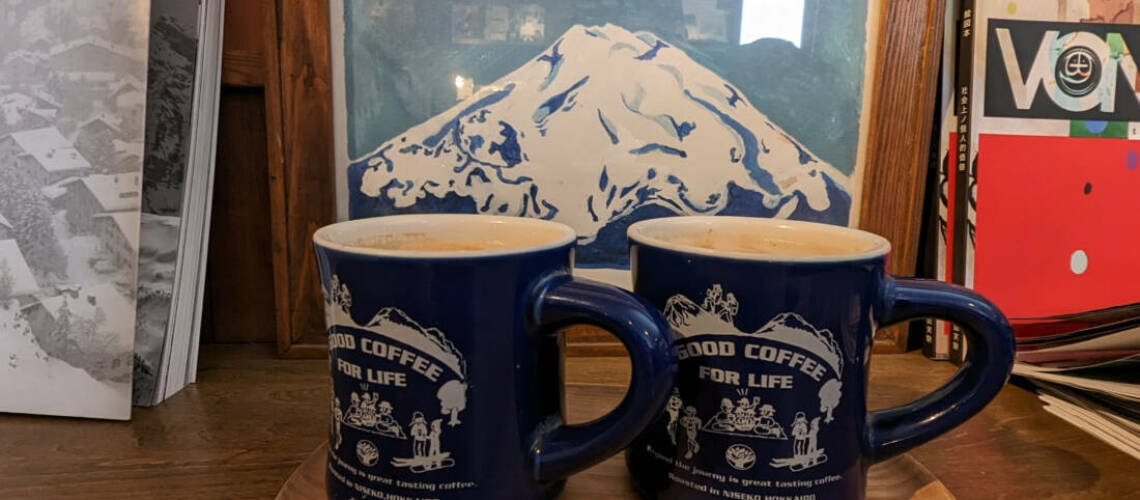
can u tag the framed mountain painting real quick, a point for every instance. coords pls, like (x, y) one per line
(600, 113)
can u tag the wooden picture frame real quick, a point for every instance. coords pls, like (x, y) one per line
(302, 187)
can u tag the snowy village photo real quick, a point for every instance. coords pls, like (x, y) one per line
(72, 109)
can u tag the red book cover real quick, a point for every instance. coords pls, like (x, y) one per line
(1078, 248)
(1053, 226)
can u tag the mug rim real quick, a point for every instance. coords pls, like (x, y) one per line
(323, 236)
(878, 245)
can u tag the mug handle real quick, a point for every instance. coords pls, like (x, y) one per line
(559, 449)
(984, 372)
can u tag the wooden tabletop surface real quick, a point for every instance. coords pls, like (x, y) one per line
(252, 419)
(900, 478)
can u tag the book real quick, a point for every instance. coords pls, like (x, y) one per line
(1095, 390)
(922, 333)
(1059, 361)
(182, 95)
(72, 107)
(937, 339)
(1117, 335)
(961, 212)
(1048, 328)
(1112, 420)
(1110, 344)
(1043, 194)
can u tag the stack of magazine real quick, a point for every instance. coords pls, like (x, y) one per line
(1035, 199)
(107, 125)
(1085, 367)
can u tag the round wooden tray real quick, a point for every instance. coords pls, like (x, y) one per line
(900, 478)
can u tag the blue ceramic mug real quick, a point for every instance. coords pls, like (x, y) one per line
(445, 363)
(773, 323)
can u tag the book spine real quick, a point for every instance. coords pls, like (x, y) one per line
(932, 228)
(936, 337)
(962, 156)
(942, 337)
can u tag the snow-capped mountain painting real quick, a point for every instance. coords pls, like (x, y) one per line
(597, 116)
(714, 316)
(568, 138)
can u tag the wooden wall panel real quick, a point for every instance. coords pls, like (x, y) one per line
(239, 270)
(275, 143)
(910, 50)
(243, 54)
(306, 118)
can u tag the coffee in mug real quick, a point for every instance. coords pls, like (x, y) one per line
(768, 243)
(465, 239)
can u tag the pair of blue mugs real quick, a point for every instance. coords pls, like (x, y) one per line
(749, 342)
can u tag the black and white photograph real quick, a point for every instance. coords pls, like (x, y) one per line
(170, 93)
(72, 88)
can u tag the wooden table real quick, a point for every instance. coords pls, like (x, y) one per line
(900, 478)
(252, 419)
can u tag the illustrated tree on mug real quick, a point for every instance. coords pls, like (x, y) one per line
(829, 397)
(452, 400)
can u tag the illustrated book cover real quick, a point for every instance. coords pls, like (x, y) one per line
(1041, 205)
